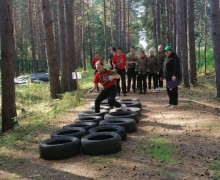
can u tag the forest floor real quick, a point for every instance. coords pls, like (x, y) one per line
(190, 134)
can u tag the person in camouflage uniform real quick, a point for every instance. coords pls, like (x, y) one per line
(154, 70)
(141, 68)
(131, 74)
(161, 57)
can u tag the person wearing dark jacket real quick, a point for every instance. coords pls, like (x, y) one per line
(161, 58)
(171, 72)
(131, 74)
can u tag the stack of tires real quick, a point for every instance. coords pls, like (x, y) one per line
(93, 133)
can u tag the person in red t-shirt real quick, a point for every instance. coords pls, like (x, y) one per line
(94, 60)
(119, 61)
(107, 79)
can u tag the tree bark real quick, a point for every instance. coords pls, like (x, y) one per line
(7, 66)
(191, 41)
(105, 28)
(215, 25)
(55, 89)
(182, 35)
(70, 44)
(63, 52)
(56, 32)
(33, 50)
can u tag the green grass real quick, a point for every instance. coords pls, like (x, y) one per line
(213, 127)
(215, 166)
(38, 114)
(160, 148)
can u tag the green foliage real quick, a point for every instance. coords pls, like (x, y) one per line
(159, 148)
(210, 68)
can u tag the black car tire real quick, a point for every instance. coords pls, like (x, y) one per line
(59, 148)
(123, 114)
(78, 132)
(101, 143)
(110, 128)
(128, 123)
(86, 125)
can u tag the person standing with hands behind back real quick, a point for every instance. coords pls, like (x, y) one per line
(161, 57)
(131, 74)
(141, 67)
(107, 79)
(171, 72)
(119, 61)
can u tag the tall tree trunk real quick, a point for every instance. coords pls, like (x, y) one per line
(154, 25)
(70, 44)
(82, 40)
(56, 31)
(128, 42)
(191, 41)
(33, 51)
(124, 20)
(117, 22)
(42, 46)
(181, 11)
(215, 25)
(157, 13)
(111, 22)
(199, 51)
(14, 18)
(63, 55)
(174, 24)
(205, 37)
(105, 34)
(55, 89)
(38, 35)
(89, 32)
(7, 65)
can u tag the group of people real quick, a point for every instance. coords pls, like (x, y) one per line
(140, 69)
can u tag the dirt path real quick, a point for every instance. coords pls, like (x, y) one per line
(192, 130)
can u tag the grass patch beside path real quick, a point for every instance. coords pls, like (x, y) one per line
(37, 115)
(160, 148)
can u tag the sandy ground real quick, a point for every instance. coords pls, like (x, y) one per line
(192, 130)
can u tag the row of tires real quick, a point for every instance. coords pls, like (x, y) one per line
(93, 133)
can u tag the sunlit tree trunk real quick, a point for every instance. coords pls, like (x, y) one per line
(154, 25)
(191, 41)
(205, 36)
(70, 44)
(82, 40)
(181, 12)
(56, 31)
(111, 22)
(33, 51)
(105, 34)
(215, 25)
(7, 66)
(62, 39)
(55, 89)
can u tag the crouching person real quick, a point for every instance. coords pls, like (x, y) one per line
(107, 79)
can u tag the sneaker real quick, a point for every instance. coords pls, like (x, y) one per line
(168, 105)
(123, 107)
(173, 107)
